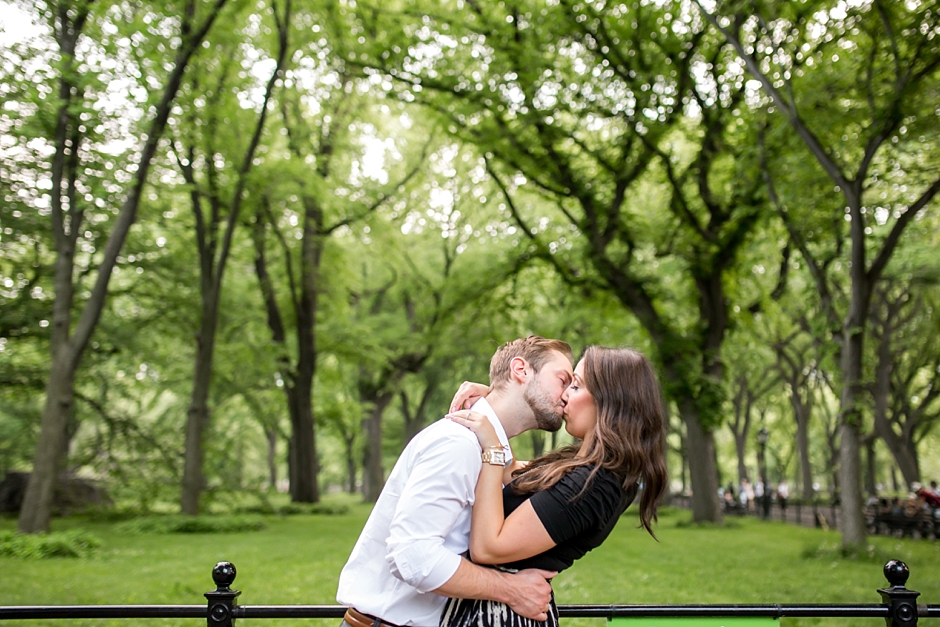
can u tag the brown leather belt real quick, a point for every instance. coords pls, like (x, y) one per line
(355, 618)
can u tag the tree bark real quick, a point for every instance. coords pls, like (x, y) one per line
(271, 436)
(415, 420)
(349, 447)
(741, 427)
(702, 469)
(871, 486)
(304, 485)
(297, 378)
(903, 451)
(802, 445)
(854, 531)
(197, 415)
(373, 472)
(37, 502)
(538, 443)
(887, 320)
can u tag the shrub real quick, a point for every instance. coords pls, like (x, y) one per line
(868, 553)
(191, 524)
(43, 546)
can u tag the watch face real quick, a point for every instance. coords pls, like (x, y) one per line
(494, 457)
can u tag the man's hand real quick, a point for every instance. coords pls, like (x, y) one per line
(528, 592)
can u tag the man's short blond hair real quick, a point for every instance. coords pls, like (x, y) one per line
(536, 350)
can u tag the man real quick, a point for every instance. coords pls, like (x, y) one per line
(408, 558)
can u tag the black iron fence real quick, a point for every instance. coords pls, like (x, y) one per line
(899, 607)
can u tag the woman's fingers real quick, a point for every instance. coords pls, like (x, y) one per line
(467, 394)
(478, 423)
(465, 417)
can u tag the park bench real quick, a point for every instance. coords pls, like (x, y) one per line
(899, 608)
(916, 522)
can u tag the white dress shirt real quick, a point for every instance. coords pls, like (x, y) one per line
(419, 526)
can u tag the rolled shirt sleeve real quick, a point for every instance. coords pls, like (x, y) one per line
(435, 495)
(419, 527)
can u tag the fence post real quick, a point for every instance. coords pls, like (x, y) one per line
(222, 599)
(902, 602)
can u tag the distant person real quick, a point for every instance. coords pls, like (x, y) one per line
(409, 557)
(783, 494)
(927, 497)
(729, 500)
(746, 495)
(934, 488)
(564, 504)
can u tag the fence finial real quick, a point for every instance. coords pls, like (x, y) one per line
(897, 573)
(901, 601)
(222, 599)
(224, 576)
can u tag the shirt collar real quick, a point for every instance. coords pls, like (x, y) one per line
(485, 408)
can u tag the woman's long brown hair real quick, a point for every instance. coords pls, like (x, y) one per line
(629, 435)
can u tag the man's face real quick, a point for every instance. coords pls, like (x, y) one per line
(544, 392)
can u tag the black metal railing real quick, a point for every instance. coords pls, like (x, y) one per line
(899, 607)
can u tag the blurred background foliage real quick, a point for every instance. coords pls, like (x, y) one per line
(249, 247)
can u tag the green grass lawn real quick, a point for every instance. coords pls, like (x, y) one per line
(297, 559)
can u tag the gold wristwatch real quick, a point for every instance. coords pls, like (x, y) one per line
(494, 455)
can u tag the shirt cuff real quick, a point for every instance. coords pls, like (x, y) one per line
(440, 573)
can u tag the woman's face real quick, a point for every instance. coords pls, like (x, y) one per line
(580, 410)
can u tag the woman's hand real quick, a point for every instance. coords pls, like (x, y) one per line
(467, 394)
(479, 424)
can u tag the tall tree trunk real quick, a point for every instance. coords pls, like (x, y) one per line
(37, 503)
(801, 413)
(415, 419)
(870, 480)
(68, 346)
(854, 531)
(304, 485)
(538, 443)
(303, 423)
(903, 451)
(212, 273)
(740, 449)
(901, 446)
(197, 415)
(350, 448)
(270, 435)
(702, 468)
(741, 425)
(373, 473)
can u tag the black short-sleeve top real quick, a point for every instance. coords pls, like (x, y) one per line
(577, 521)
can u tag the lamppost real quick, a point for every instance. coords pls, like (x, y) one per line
(762, 436)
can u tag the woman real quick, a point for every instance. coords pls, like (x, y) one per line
(562, 505)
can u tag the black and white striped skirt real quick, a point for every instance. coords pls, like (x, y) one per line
(472, 613)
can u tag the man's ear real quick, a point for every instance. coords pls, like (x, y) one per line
(519, 370)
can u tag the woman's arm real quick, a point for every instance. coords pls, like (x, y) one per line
(495, 539)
